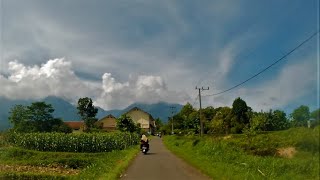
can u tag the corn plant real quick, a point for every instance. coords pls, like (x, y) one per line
(60, 142)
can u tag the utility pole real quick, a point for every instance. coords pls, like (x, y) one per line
(201, 122)
(172, 111)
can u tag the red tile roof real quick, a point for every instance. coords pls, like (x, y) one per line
(74, 124)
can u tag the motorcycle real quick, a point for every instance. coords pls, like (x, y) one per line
(144, 147)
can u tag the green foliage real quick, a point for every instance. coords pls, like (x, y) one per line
(95, 142)
(300, 116)
(186, 110)
(233, 157)
(166, 129)
(240, 109)
(221, 123)
(107, 165)
(126, 124)
(278, 121)
(36, 118)
(209, 112)
(19, 119)
(187, 118)
(88, 112)
(238, 119)
(158, 123)
(271, 121)
(61, 127)
(241, 114)
(29, 176)
(315, 118)
(315, 115)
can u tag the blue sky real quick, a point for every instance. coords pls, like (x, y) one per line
(119, 52)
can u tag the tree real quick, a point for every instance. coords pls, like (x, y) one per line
(221, 123)
(258, 122)
(300, 116)
(240, 112)
(186, 119)
(19, 118)
(126, 124)
(315, 117)
(87, 111)
(269, 121)
(41, 114)
(209, 113)
(239, 109)
(158, 123)
(35, 118)
(186, 110)
(279, 121)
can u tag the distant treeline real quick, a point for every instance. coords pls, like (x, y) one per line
(238, 119)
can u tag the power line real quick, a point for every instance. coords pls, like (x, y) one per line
(195, 100)
(245, 55)
(283, 57)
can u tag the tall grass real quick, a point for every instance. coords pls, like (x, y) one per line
(238, 157)
(107, 165)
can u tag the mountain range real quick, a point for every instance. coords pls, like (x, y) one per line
(68, 112)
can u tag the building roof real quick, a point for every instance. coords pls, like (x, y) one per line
(74, 124)
(138, 109)
(108, 116)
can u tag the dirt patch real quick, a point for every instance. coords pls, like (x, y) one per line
(287, 152)
(38, 169)
(227, 137)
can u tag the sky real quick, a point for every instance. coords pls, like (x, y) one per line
(119, 52)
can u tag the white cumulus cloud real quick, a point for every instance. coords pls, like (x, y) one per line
(57, 78)
(146, 89)
(54, 78)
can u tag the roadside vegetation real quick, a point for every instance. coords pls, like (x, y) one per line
(18, 163)
(239, 143)
(40, 146)
(75, 156)
(289, 154)
(238, 119)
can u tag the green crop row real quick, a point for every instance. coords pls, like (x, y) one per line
(60, 142)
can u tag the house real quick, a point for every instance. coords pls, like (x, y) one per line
(145, 119)
(107, 123)
(75, 125)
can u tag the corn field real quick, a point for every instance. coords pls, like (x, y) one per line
(60, 142)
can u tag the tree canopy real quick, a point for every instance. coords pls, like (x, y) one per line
(126, 124)
(239, 118)
(88, 112)
(36, 118)
(300, 116)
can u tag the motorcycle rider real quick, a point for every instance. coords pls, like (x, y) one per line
(144, 140)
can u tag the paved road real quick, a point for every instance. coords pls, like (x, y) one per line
(160, 163)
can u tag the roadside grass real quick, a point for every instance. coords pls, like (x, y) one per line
(240, 157)
(3, 143)
(18, 163)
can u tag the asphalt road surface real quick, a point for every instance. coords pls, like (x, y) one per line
(160, 163)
